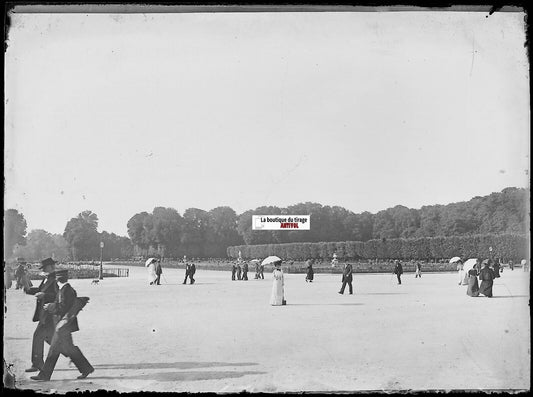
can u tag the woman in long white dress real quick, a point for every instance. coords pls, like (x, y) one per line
(460, 271)
(278, 294)
(152, 276)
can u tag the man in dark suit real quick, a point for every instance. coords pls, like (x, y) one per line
(347, 278)
(191, 273)
(398, 270)
(245, 271)
(65, 318)
(238, 271)
(233, 271)
(261, 271)
(158, 272)
(45, 293)
(187, 273)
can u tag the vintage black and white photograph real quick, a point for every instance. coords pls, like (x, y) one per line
(266, 199)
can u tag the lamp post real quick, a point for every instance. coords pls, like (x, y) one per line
(101, 277)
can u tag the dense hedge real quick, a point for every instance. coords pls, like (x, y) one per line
(505, 246)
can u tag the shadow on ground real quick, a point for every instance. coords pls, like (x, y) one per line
(175, 365)
(384, 293)
(174, 376)
(325, 304)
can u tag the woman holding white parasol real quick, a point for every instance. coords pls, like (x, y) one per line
(150, 264)
(278, 292)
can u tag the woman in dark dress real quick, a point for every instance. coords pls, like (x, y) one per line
(473, 286)
(486, 275)
(496, 267)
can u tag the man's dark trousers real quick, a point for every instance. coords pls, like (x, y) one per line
(62, 344)
(399, 278)
(43, 333)
(348, 281)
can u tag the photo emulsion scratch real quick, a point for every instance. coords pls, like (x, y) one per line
(290, 199)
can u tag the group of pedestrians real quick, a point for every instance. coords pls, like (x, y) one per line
(56, 311)
(239, 272)
(155, 271)
(486, 275)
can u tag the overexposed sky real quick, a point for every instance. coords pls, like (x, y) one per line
(121, 113)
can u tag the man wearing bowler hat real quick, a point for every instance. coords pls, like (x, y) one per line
(64, 309)
(45, 293)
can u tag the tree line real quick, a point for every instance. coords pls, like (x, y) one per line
(200, 233)
(79, 241)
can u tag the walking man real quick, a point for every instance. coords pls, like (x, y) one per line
(245, 271)
(45, 293)
(158, 271)
(192, 270)
(261, 270)
(187, 273)
(398, 270)
(233, 271)
(347, 278)
(64, 309)
(238, 271)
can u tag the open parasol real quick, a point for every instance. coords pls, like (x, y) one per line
(270, 259)
(149, 261)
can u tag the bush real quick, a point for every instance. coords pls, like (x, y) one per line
(505, 246)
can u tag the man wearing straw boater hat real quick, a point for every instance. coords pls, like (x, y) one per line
(65, 309)
(45, 293)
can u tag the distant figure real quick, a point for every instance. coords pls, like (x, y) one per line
(398, 270)
(152, 276)
(158, 272)
(278, 293)
(525, 265)
(486, 275)
(310, 272)
(65, 309)
(245, 271)
(261, 271)
(334, 261)
(239, 270)
(256, 270)
(187, 273)
(233, 271)
(347, 278)
(473, 286)
(8, 280)
(191, 273)
(496, 267)
(511, 265)
(418, 270)
(460, 271)
(19, 275)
